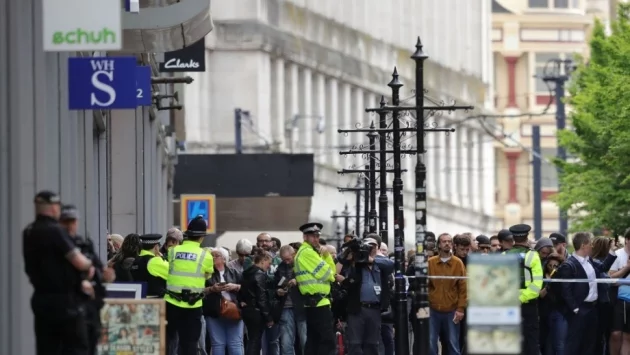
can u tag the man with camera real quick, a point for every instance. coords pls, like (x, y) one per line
(366, 281)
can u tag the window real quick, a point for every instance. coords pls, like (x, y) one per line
(541, 63)
(548, 171)
(554, 4)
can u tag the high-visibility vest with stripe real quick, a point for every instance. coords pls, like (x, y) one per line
(533, 273)
(189, 266)
(314, 273)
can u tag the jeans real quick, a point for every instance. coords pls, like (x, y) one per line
(288, 326)
(557, 336)
(387, 338)
(225, 334)
(442, 323)
(271, 340)
(202, 338)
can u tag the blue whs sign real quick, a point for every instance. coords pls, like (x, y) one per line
(143, 86)
(102, 83)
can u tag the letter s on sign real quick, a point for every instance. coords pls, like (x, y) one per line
(107, 89)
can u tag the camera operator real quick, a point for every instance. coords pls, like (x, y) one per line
(366, 281)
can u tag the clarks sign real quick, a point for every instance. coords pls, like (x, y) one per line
(191, 58)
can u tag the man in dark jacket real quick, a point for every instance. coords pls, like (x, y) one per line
(290, 306)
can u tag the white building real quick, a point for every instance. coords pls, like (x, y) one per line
(303, 59)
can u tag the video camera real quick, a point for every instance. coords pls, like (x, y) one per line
(360, 251)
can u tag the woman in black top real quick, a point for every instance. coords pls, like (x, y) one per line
(123, 259)
(254, 300)
(553, 324)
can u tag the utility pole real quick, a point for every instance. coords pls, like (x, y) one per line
(382, 198)
(345, 215)
(238, 130)
(561, 73)
(357, 227)
(537, 182)
(373, 216)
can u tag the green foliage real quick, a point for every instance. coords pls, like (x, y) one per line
(596, 188)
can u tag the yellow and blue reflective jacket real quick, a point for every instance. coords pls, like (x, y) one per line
(532, 271)
(314, 273)
(189, 267)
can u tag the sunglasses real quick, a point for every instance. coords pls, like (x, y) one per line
(484, 248)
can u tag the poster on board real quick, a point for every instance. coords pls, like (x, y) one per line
(132, 327)
(494, 323)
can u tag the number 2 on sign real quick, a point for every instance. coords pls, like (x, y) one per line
(139, 93)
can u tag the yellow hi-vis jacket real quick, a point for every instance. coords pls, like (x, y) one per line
(189, 267)
(314, 273)
(533, 273)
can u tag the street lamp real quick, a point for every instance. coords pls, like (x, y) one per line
(292, 126)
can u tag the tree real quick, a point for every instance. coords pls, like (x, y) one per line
(595, 187)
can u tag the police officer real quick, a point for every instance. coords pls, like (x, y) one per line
(533, 277)
(58, 271)
(314, 274)
(150, 267)
(190, 266)
(69, 220)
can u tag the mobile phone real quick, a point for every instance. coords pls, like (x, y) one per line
(222, 283)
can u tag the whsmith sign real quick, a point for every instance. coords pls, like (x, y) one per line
(191, 58)
(82, 25)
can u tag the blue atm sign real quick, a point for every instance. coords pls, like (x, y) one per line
(195, 205)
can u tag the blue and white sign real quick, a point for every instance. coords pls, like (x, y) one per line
(132, 6)
(143, 86)
(199, 205)
(102, 83)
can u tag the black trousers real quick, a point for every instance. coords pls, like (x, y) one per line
(530, 344)
(185, 324)
(255, 324)
(61, 336)
(604, 326)
(320, 334)
(583, 330)
(93, 326)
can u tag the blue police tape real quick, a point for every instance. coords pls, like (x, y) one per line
(601, 281)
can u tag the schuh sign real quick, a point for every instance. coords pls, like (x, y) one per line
(102, 83)
(191, 59)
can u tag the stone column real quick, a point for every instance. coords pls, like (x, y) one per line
(332, 122)
(306, 113)
(293, 110)
(511, 74)
(512, 160)
(278, 105)
(320, 111)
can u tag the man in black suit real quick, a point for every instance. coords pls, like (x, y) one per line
(580, 298)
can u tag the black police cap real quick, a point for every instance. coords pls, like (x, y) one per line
(197, 227)
(48, 197)
(505, 235)
(557, 238)
(520, 230)
(69, 213)
(150, 239)
(311, 228)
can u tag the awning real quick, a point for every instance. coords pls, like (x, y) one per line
(166, 25)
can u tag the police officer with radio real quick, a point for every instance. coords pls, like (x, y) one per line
(531, 285)
(314, 274)
(150, 267)
(57, 271)
(69, 220)
(190, 266)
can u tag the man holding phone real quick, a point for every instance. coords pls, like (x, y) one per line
(620, 332)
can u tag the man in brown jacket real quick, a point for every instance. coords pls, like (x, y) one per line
(447, 297)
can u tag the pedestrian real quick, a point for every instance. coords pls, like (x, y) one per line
(603, 257)
(495, 245)
(506, 240)
(581, 297)
(483, 244)
(190, 266)
(533, 276)
(447, 298)
(620, 297)
(173, 237)
(123, 259)
(150, 267)
(60, 275)
(314, 274)
(292, 319)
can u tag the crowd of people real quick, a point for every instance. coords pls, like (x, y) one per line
(310, 298)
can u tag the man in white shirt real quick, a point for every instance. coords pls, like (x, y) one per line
(620, 327)
(580, 297)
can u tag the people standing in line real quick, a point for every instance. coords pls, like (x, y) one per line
(124, 258)
(173, 237)
(495, 245)
(367, 284)
(221, 309)
(505, 239)
(560, 244)
(254, 300)
(243, 251)
(292, 320)
(553, 325)
(61, 278)
(387, 319)
(603, 257)
(190, 266)
(483, 244)
(580, 298)
(114, 242)
(447, 297)
(620, 296)
(462, 246)
(69, 220)
(314, 275)
(533, 276)
(544, 248)
(150, 267)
